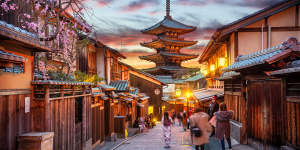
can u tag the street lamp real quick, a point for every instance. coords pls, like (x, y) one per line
(188, 94)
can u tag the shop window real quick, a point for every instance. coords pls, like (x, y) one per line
(11, 63)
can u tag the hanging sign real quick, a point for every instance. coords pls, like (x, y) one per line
(27, 104)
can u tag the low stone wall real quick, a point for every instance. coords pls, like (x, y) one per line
(235, 130)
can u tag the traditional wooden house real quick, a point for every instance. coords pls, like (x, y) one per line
(265, 95)
(17, 48)
(263, 29)
(148, 84)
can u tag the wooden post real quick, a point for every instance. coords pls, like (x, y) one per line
(47, 109)
(84, 119)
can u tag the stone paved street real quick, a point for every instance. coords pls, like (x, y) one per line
(152, 140)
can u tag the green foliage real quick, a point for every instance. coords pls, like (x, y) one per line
(60, 76)
(83, 77)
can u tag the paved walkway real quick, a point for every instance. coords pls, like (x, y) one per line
(152, 140)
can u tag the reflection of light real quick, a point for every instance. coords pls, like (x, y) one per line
(204, 72)
(178, 92)
(150, 110)
(154, 119)
(222, 61)
(188, 94)
(212, 67)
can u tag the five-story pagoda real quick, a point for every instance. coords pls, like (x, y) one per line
(168, 44)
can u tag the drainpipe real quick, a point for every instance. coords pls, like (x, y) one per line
(269, 36)
(262, 36)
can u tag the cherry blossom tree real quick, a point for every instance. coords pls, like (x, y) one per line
(57, 24)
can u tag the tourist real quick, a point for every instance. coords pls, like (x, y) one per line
(142, 124)
(173, 117)
(179, 118)
(213, 107)
(223, 125)
(200, 129)
(167, 122)
(184, 121)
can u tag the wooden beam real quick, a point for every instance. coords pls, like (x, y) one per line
(236, 44)
(273, 29)
(297, 16)
(47, 109)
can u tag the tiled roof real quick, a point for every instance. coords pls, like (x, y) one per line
(107, 87)
(228, 75)
(165, 79)
(195, 78)
(170, 23)
(293, 67)
(253, 59)
(120, 85)
(55, 82)
(205, 94)
(16, 33)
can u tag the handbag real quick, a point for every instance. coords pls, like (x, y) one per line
(196, 131)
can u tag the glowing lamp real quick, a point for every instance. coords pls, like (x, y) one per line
(178, 92)
(188, 94)
(150, 110)
(222, 61)
(212, 67)
(205, 72)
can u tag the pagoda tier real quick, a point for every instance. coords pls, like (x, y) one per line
(166, 70)
(162, 57)
(169, 25)
(168, 44)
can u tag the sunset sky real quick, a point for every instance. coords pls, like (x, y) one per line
(118, 22)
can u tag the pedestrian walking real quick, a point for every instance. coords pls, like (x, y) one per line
(179, 118)
(166, 128)
(223, 125)
(173, 117)
(184, 121)
(200, 129)
(213, 107)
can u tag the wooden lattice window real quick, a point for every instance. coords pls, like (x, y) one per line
(293, 89)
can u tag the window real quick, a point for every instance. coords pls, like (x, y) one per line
(293, 89)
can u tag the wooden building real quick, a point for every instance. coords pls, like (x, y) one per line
(148, 84)
(263, 29)
(17, 48)
(265, 95)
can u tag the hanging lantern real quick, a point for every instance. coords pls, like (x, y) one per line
(212, 67)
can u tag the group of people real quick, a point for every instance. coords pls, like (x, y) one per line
(202, 125)
(144, 122)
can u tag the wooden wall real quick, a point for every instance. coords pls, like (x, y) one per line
(98, 124)
(148, 87)
(13, 119)
(292, 128)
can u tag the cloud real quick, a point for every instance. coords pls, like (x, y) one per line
(139, 4)
(101, 3)
(243, 3)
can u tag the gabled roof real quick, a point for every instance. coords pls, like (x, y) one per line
(120, 85)
(228, 75)
(225, 30)
(31, 40)
(168, 23)
(141, 72)
(290, 47)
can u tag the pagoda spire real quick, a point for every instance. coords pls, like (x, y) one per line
(167, 8)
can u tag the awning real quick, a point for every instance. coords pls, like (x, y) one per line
(106, 87)
(144, 98)
(205, 94)
(140, 104)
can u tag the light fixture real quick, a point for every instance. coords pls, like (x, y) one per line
(212, 67)
(222, 61)
(178, 92)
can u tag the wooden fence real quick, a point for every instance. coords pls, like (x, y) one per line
(64, 110)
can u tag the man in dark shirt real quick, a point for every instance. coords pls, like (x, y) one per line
(213, 107)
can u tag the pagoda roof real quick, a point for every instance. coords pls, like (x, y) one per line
(161, 42)
(166, 68)
(179, 55)
(168, 24)
(158, 57)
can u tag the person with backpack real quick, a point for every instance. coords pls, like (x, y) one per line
(166, 128)
(223, 117)
(200, 129)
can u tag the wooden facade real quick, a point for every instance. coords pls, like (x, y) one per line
(265, 104)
